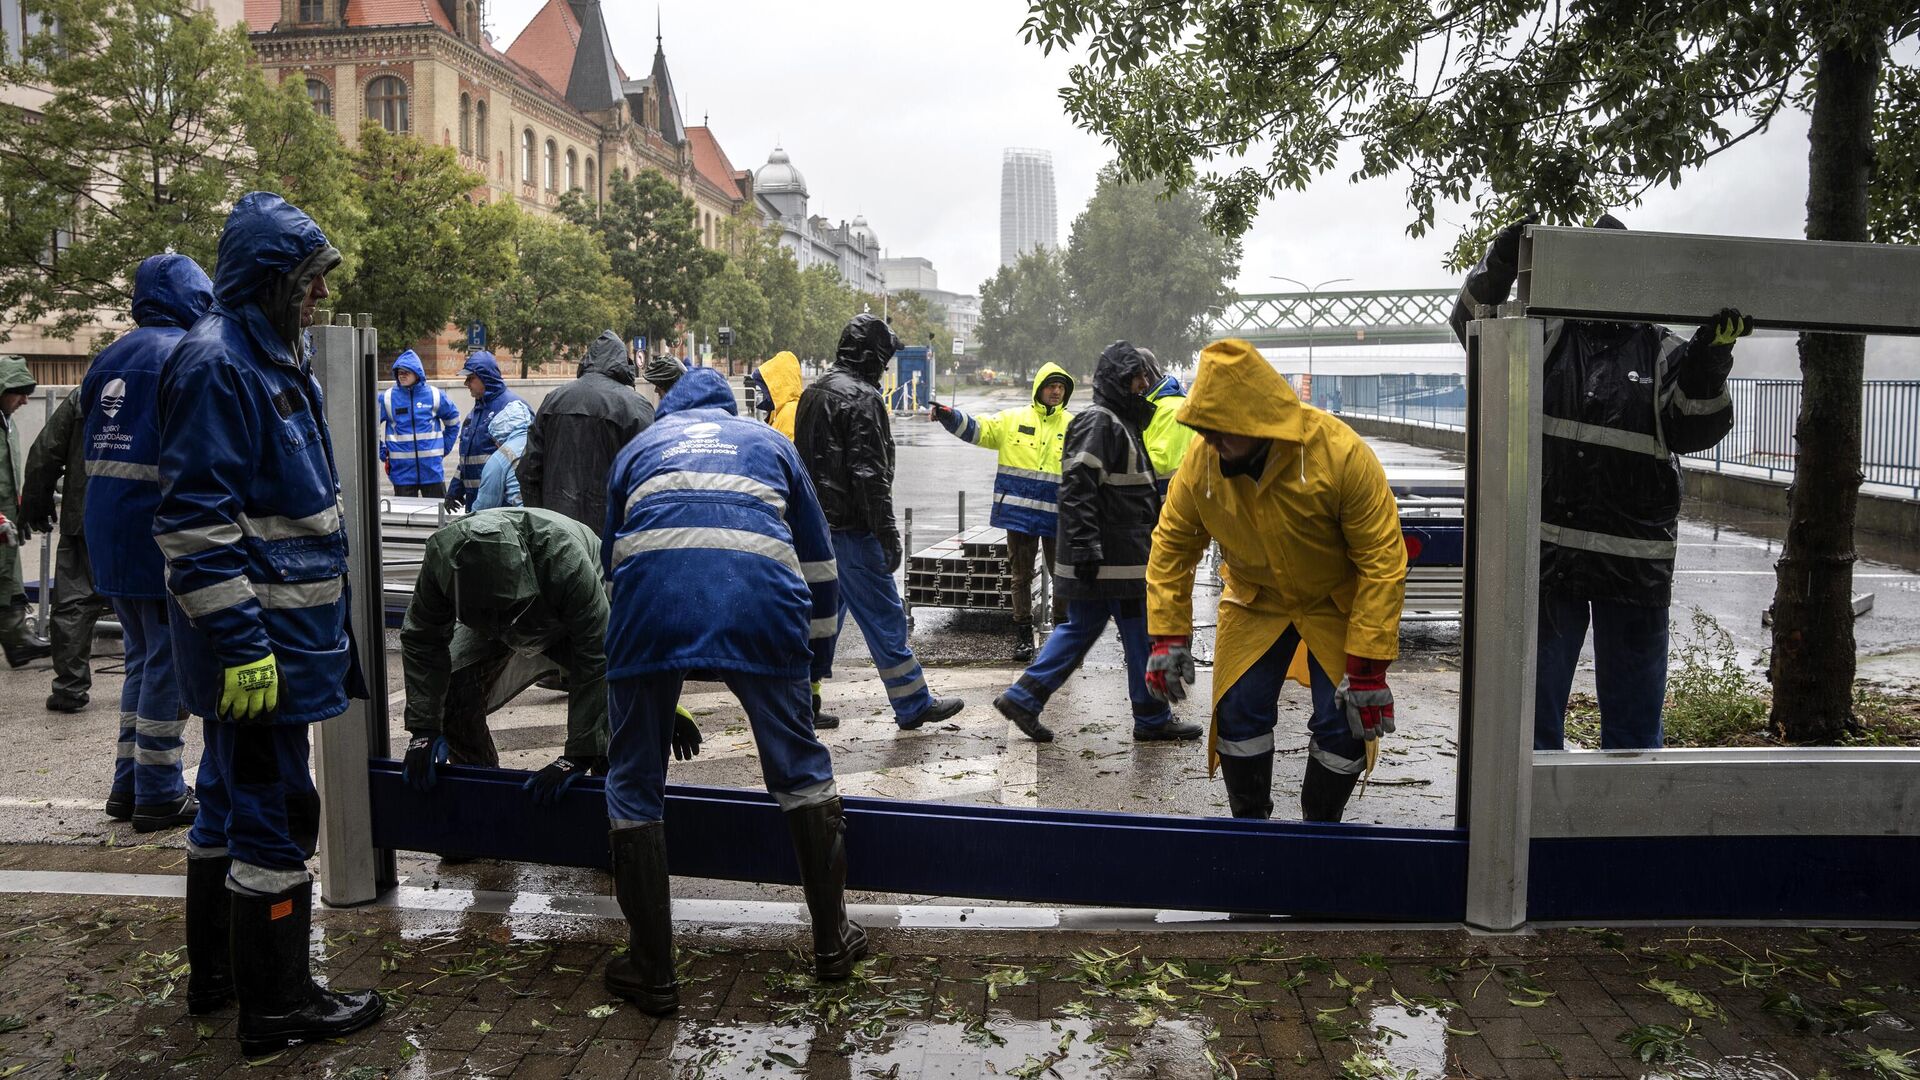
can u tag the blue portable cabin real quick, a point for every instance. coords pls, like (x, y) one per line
(911, 361)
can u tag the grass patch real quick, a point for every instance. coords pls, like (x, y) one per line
(1713, 700)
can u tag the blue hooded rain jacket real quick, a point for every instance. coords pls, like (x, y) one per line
(120, 401)
(499, 482)
(249, 516)
(476, 442)
(716, 547)
(421, 425)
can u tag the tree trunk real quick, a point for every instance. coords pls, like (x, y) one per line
(1813, 648)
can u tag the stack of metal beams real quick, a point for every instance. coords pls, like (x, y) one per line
(970, 569)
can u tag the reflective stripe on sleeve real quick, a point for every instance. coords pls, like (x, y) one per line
(1607, 544)
(276, 527)
(817, 572)
(683, 537)
(1030, 504)
(1107, 572)
(706, 481)
(1687, 406)
(181, 543)
(124, 470)
(219, 596)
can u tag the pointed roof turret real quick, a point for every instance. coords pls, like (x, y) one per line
(594, 82)
(671, 126)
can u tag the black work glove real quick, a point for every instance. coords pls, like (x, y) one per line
(424, 753)
(1506, 245)
(453, 502)
(35, 512)
(890, 546)
(942, 413)
(1087, 571)
(686, 735)
(547, 785)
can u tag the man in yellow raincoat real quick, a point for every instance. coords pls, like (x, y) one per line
(778, 381)
(1313, 557)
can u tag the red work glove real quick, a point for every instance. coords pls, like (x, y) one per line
(1363, 695)
(1170, 668)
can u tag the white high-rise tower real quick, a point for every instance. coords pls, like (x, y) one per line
(1027, 216)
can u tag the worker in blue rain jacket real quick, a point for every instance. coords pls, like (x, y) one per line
(420, 426)
(249, 521)
(720, 562)
(499, 483)
(476, 445)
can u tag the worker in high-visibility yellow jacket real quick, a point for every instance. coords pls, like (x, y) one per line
(1026, 490)
(1315, 568)
(1166, 437)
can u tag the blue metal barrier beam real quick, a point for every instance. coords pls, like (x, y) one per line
(1725, 877)
(943, 849)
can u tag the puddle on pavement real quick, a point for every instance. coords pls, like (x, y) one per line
(1733, 1067)
(937, 1050)
(1403, 1043)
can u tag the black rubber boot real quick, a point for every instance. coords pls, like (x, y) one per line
(1324, 793)
(1249, 782)
(27, 651)
(823, 721)
(645, 975)
(820, 843)
(120, 805)
(280, 1004)
(66, 703)
(153, 817)
(209, 913)
(1028, 723)
(1022, 643)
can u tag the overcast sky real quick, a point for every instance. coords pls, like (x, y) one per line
(900, 112)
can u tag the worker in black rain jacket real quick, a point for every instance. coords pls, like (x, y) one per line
(1620, 399)
(577, 431)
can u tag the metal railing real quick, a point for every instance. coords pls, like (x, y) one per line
(1762, 440)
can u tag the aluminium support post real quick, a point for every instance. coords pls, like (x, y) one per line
(1502, 600)
(350, 869)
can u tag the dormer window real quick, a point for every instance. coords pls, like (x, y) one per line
(313, 11)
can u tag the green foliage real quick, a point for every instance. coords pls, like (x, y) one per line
(1883, 1064)
(154, 122)
(771, 268)
(1142, 266)
(829, 303)
(728, 298)
(1025, 314)
(1655, 1044)
(1711, 699)
(558, 295)
(648, 229)
(1893, 203)
(428, 249)
(1569, 109)
(914, 317)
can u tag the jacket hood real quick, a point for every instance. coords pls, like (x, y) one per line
(409, 361)
(491, 571)
(867, 344)
(781, 377)
(170, 290)
(608, 356)
(701, 388)
(15, 376)
(663, 371)
(511, 422)
(1113, 375)
(1051, 371)
(483, 364)
(1167, 387)
(1238, 392)
(270, 252)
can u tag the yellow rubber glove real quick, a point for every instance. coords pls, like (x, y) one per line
(1730, 326)
(251, 691)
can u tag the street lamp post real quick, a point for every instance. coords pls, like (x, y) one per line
(1311, 314)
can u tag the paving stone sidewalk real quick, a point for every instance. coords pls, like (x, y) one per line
(94, 987)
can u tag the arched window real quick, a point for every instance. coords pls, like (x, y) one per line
(480, 128)
(573, 170)
(592, 188)
(321, 95)
(526, 156)
(552, 172)
(466, 124)
(387, 103)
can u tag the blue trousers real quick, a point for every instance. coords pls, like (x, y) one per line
(867, 592)
(147, 763)
(1250, 709)
(257, 804)
(797, 769)
(1630, 668)
(1069, 644)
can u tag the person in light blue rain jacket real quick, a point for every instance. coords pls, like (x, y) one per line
(420, 426)
(476, 445)
(499, 486)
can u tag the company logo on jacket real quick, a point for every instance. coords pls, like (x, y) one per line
(112, 396)
(701, 438)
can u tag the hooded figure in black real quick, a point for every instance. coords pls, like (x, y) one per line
(844, 437)
(577, 431)
(1109, 504)
(1620, 400)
